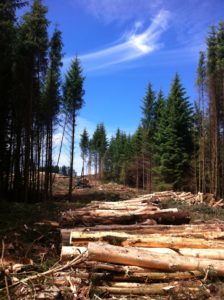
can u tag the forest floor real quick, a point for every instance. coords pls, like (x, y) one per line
(30, 232)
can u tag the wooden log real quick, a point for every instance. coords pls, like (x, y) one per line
(104, 213)
(122, 206)
(142, 258)
(202, 231)
(132, 277)
(160, 217)
(143, 289)
(123, 271)
(68, 252)
(147, 241)
(155, 276)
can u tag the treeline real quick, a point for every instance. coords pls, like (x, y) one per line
(178, 144)
(32, 100)
(157, 155)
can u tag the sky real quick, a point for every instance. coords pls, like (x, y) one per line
(125, 44)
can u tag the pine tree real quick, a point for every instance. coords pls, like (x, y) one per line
(201, 84)
(137, 146)
(73, 101)
(148, 125)
(8, 31)
(84, 146)
(174, 137)
(214, 117)
(31, 67)
(51, 103)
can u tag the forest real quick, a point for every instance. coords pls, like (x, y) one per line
(177, 145)
(145, 217)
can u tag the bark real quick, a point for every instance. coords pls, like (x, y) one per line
(142, 258)
(208, 231)
(72, 158)
(149, 241)
(68, 252)
(92, 218)
(146, 289)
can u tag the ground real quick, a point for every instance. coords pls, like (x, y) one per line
(30, 231)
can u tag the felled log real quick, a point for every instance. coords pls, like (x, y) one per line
(149, 241)
(160, 217)
(107, 213)
(121, 270)
(68, 252)
(210, 231)
(106, 276)
(142, 258)
(125, 288)
(123, 206)
(143, 277)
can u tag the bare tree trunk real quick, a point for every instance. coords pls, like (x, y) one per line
(72, 158)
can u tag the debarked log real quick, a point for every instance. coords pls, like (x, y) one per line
(142, 258)
(207, 231)
(68, 252)
(147, 241)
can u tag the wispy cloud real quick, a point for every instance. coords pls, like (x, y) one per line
(133, 45)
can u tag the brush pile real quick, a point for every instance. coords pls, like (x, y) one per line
(135, 248)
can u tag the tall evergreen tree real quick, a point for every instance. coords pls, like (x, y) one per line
(174, 137)
(148, 125)
(214, 116)
(201, 84)
(84, 146)
(51, 103)
(8, 30)
(73, 101)
(32, 66)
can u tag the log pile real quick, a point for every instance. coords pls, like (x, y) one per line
(141, 209)
(135, 248)
(137, 210)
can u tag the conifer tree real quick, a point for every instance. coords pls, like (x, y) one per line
(214, 116)
(32, 49)
(84, 146)
(8, 31)
(148, 125)
(174, 137)
(51, 103)
(73, 101)
(201, 84)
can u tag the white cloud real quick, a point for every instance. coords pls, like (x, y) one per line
(133, 46)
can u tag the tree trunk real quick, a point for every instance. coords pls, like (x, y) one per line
(142, 258)
(147, 241)
(72, 158)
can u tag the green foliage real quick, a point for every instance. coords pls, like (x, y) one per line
(84, 144)
(51, 94)
(73, 88)
(173, 139)
(148, 120)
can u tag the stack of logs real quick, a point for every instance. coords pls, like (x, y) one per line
(146, 256)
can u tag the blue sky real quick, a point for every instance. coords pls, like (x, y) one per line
(124, 44)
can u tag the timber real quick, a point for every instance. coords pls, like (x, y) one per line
(148, 241)
(142, 258)
(136, 248)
